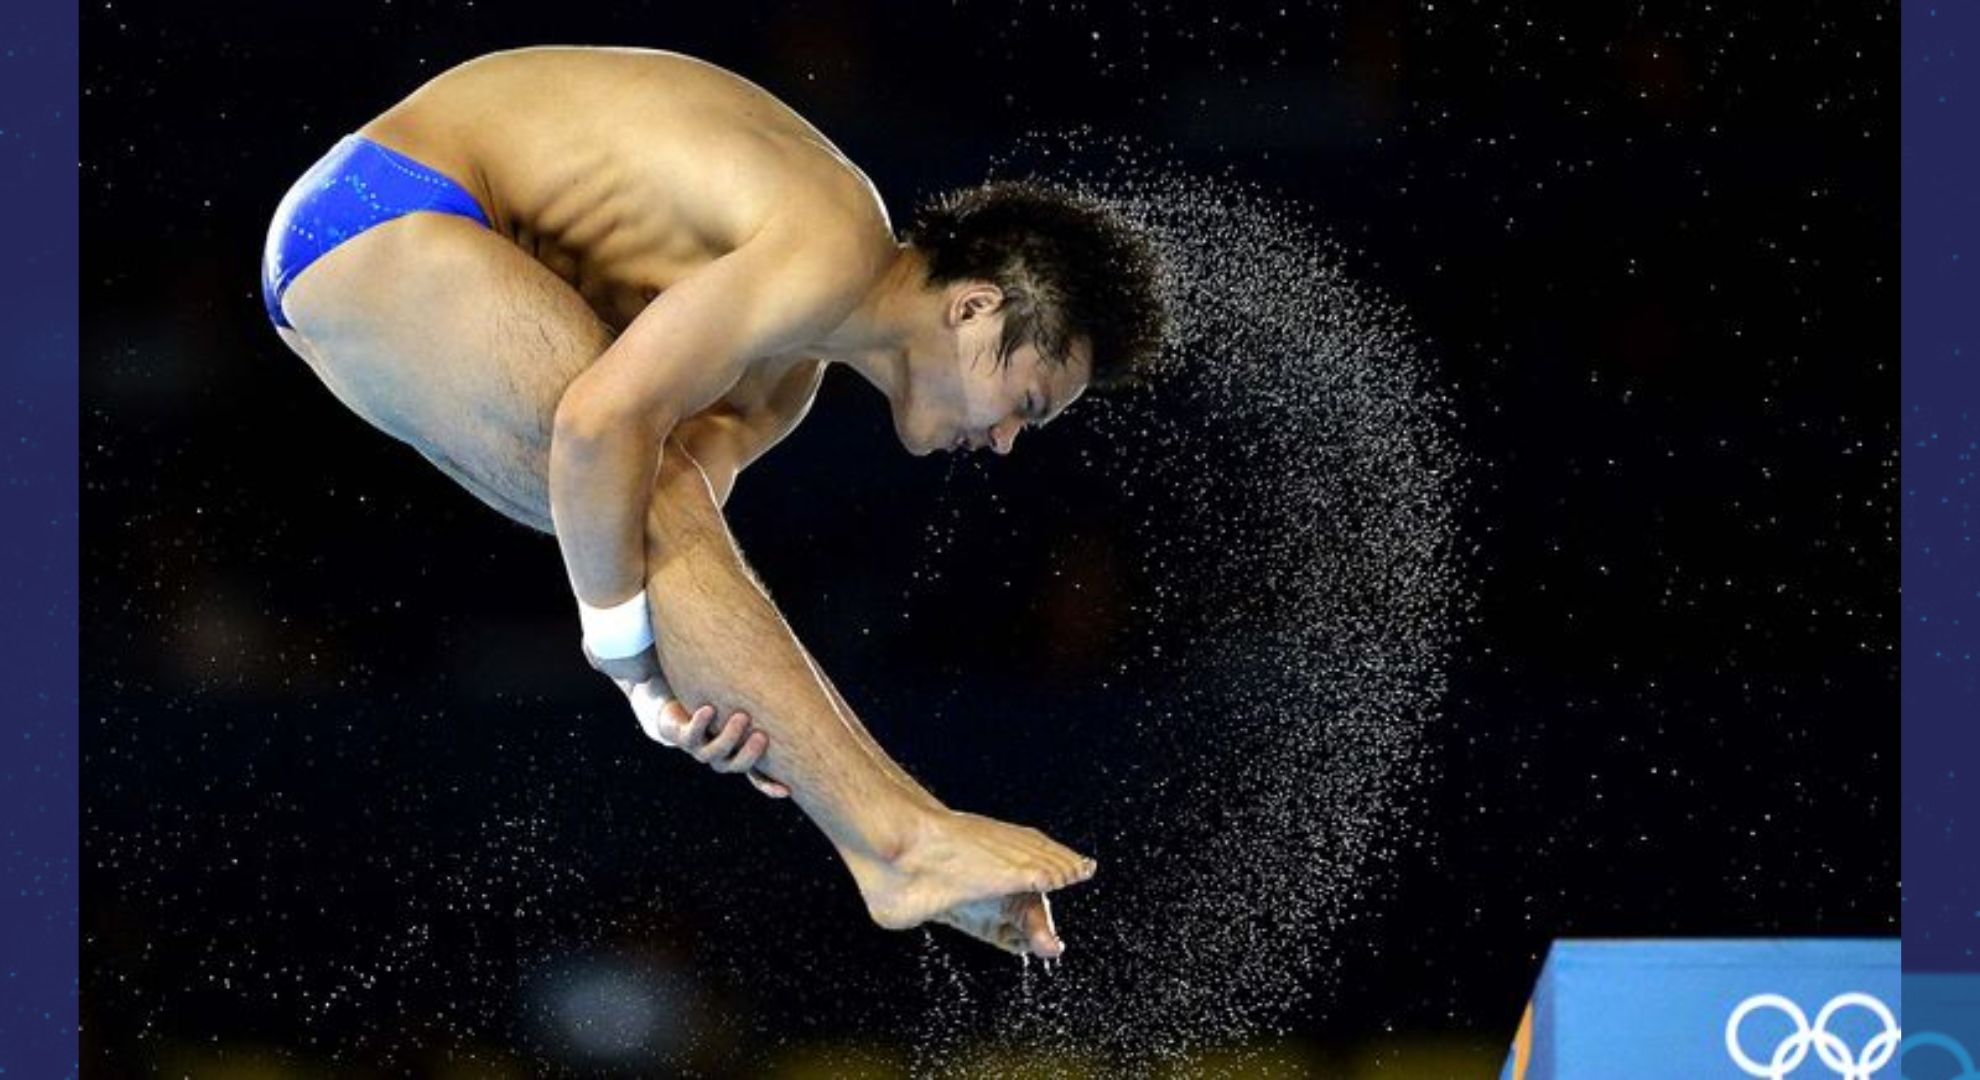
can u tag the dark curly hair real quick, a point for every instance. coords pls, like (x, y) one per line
(1068, 266)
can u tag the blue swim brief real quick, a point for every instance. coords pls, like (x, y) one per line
(356, 185)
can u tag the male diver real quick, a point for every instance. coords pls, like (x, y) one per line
(593, 285)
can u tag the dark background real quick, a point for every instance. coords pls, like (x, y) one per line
(1654, 254)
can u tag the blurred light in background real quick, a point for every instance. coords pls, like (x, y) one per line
(612, 1011)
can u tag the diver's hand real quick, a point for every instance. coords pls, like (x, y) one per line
(731, 749)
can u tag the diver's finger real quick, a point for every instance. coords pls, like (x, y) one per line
(725, 740)
(767, 786)
(746, 758)
(697, 725)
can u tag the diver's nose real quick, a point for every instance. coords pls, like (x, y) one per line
(1004, 435)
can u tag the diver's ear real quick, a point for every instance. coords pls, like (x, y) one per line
(973, 300)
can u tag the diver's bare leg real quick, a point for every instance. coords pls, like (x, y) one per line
(721, 640)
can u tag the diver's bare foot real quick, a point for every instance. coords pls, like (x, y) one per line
(971, 868)
(1020, 923)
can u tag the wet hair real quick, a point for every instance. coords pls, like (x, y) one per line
(1069, 267)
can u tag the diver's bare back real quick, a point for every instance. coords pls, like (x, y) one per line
(624, 170)
(621, 169)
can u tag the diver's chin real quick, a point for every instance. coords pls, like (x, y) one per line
(918, 443)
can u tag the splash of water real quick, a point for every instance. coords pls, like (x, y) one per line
(1296, 420)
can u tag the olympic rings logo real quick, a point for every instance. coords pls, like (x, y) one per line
(1946, 1043)
(1792, 1051)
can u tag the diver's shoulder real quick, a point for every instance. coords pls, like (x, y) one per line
(848, 241)
(825, 190)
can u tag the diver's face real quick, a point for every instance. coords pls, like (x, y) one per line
(962, 397)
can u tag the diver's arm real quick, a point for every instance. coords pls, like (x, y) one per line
(678, 357)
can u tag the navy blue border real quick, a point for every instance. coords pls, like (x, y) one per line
(1940, 432)
(1940, 429)
(38, 539)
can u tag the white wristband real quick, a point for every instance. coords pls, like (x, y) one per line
(618, 631)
